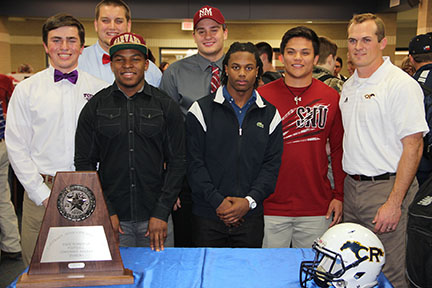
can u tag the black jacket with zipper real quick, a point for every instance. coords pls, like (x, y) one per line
(225, 159)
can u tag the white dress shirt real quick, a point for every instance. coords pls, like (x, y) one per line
(40, 131)
(91, 61)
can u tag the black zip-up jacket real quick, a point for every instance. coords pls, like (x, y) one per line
(225, 159)
(132, 138)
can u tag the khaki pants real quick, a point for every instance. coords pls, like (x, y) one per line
(361, 202)
(31, 222)
(295, 232)
(9, 234)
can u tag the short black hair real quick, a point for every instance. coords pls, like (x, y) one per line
(303, 32)
(265, 48)
(424, 57)
(242, 47)
(339, 59)
(61, 20)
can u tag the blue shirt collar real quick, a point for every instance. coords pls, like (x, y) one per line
(230, 100)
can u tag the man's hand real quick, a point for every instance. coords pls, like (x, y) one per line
(235, 224)
(157, 230)
(223, 206)
(335, 207)
(45, 202)
(239, 208)
(387, 217)
(177, 205)
(115, 223)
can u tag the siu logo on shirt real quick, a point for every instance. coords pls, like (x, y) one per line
(312, 117)
(305, 123)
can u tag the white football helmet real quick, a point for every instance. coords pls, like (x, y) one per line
(346, 255)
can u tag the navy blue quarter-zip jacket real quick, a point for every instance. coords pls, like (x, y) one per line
(225, 159)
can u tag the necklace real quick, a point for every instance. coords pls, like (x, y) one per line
(297, 98)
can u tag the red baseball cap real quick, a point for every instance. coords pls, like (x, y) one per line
(210, 13)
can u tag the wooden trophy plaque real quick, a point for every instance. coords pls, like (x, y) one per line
(76, 245)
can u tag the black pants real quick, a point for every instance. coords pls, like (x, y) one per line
(182, 219)
(214, 233)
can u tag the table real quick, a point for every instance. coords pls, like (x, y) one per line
(216, 267)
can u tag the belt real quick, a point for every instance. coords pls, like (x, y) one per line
(385, 176)
(48, 178)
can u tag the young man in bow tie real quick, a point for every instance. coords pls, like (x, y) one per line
(304, 205)
(112, 17)
(42, 117)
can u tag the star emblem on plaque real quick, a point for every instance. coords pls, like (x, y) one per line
(76, 202)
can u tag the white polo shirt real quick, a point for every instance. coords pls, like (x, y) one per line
(377, 112)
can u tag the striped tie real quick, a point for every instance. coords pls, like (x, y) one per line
(215, 80)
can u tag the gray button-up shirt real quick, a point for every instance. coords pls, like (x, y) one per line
(188, 80)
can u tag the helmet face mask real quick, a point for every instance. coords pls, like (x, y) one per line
(326, 267)
(347, 255)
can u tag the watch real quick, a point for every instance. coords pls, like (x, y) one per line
(252, 203)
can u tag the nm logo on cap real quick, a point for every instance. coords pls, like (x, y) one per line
(126, 38)
(205, 12)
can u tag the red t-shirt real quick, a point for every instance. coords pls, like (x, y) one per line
(6, 89)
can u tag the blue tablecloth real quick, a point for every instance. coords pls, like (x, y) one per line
(217, 267)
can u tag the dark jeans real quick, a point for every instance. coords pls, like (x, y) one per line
(214, 233)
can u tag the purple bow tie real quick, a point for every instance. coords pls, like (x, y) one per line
(72, 76)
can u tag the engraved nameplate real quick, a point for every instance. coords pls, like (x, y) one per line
(78, 243)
